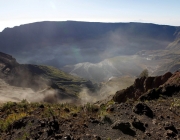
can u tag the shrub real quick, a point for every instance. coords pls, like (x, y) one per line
(8, 105)
(144, 73)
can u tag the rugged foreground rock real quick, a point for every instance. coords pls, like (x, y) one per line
(139, 118)
(149, 88)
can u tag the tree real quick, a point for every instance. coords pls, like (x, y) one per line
(144, 73)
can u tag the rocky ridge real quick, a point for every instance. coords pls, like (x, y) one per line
(141, 86)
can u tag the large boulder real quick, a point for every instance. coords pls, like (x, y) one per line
(125, 127)
(138, 124)
(143, 109)
(120, 96)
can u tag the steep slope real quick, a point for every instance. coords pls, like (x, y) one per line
(171, 66)
(70, 42)
(41, 78)
(175, 45)
(173, 54)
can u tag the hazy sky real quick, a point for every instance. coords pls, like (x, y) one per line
(16, 12)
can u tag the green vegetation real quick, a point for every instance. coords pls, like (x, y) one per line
(4, 124)
(144, 73)
(59, 79)
(175, 103)
(56, 74)
(12, 111)
(91, 107)
(24, 137)
(111, 102)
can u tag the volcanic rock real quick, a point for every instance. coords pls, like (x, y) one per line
(143, 109)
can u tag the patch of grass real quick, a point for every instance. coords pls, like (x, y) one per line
(106, 119)
(24, 137)
(5, 123)
(7, 106)
(111, 102)
(91, 108)
(68, 83)
(59, 110)
(57, 74)
(11, 111)
(175, 103)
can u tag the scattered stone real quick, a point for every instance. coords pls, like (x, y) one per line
(138, 125)
(106, 119)
(67, 110)
(160, 117)
(41, 106)
(93, 120)
(154, 121)
(110, 108)
(68, 137)
(125, 127)
(148, 134)
(95, 108)
(43, 124)
(74, 114)
(85, 125)
(170, 133)
(97, 137)
(170, 126)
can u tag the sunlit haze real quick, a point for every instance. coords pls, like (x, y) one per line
(14, 13)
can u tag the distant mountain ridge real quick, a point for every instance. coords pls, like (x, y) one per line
(71, 42)
(113, 67)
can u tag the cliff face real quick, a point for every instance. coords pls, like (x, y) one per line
(149, 88)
